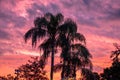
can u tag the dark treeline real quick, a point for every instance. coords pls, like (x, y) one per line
(60, 36)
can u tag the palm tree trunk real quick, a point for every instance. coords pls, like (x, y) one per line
(52, 63)
(62, 73)
(74, 74)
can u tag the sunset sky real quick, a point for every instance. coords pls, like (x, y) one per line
(98, 20)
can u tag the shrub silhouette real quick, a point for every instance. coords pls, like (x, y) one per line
(31, 71)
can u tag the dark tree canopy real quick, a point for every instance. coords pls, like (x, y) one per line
(8, 77)
(113, 72)
(89, 75)
(31, 71)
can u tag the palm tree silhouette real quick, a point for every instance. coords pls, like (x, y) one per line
(53, 29)
(46, 27)
(80, 59)
(72, 63)
(74, 55)
(87, 74)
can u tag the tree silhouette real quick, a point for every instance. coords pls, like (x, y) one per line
(81, 58)
(8, 77)
(31, 71)
(115, 54)
(3, 78)
(113, 72)
(46, 27)
(96, 76)
(53, 29)
(89, 75)
(74, 54)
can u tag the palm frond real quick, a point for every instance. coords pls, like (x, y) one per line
(59, 18)
(75, 46)
(68, 27)
(58, 67)
(81, 50)
(46, 54)
(85, 71)
(87, 63)
(88, 74)
(72, 26)
(28, 34)
(84, 52)
(62, 41)
(49, 17)
(40, 22)
(34, 34)
(76, 61)
(37, 34)
(34, 38)
(80, 37)
(47, 44)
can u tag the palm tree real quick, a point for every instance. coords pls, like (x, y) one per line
(87, 74)
(74, 55)
(46, 28)
(73, 62)
(53, 29)
(80, 59)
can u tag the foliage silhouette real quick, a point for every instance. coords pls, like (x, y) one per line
(74, 54)
(115, 54)
(31, 71)
(89, 75)
(113, 72)
(56, 32)
(96, 76)
(8, 77)
(47, 28)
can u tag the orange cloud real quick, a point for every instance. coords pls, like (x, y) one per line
(8, 63)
